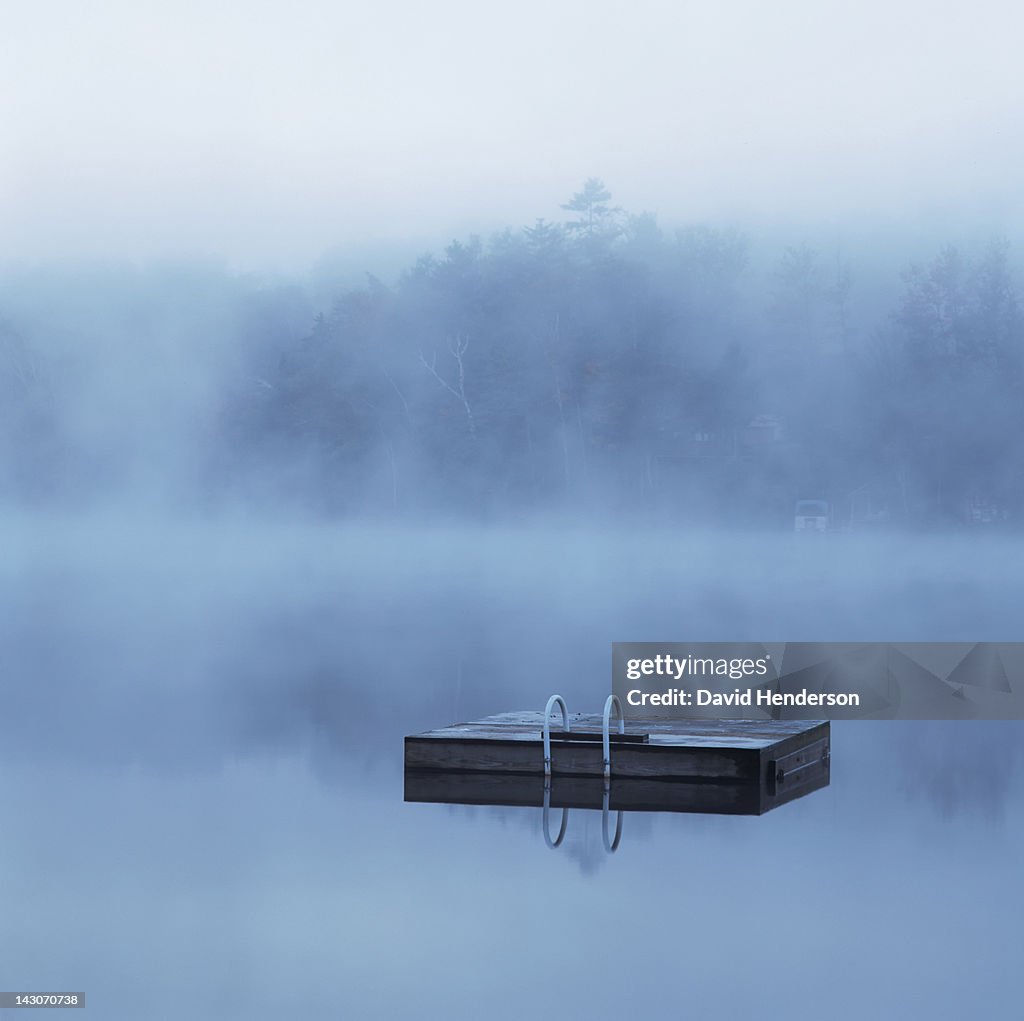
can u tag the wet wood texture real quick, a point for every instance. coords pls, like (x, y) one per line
(663, 765)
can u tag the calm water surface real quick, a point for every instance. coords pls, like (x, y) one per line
(201, 782)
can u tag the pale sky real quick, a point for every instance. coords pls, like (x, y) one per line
(266, 132)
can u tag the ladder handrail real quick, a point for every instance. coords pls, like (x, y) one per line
(610, 702)
(611, 846)
(547, 728)
(547, 824)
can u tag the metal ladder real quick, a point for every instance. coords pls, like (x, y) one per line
(611, 844)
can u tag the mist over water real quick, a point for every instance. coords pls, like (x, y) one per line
(201, 730)
(339, 401)
(247, 548)
(237, 630)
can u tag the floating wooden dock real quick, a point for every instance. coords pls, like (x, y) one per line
(743, 767)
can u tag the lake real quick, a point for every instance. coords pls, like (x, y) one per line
(201, 789)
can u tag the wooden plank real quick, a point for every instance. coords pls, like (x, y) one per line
(807, 764)
(649, 760)
(730, 750)
(796, 766)
(628, 795)
(594, 736)
(526, 726)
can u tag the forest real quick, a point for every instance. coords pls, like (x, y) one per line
(600, 364)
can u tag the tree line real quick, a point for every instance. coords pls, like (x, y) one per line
(604, 363)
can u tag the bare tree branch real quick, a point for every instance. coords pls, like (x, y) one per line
(401, 396)
(457, 347)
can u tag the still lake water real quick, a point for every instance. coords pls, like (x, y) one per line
(201, 780)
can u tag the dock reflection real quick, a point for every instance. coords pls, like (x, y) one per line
(611, 844)
(561, 793)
